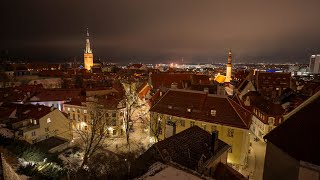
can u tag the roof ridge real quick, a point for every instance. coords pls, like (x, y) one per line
(229, 100)
(159, 99)
(302, 105)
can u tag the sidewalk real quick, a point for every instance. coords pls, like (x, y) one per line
(250, 169)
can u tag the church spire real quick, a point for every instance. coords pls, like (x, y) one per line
(229, 67)
(230, 57)
(88, 49)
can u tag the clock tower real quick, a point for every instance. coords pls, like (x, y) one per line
(88, 55)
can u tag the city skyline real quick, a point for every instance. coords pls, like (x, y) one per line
(157, 32)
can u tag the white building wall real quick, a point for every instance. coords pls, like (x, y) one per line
(315, 64)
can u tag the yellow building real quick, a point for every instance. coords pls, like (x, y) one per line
(178, 110)
(110, 111)
(35, 123)
(88, 55)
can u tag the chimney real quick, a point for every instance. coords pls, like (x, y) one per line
(52, 107)
(174, 86)
(214, 141)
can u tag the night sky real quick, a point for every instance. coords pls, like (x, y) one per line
(162, 31)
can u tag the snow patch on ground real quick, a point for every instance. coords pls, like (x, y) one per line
(159, 171)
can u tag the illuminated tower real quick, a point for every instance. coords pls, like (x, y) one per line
(88, 55)
(229, 67)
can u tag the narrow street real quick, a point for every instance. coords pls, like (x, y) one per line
(259, 148)
(139, 134)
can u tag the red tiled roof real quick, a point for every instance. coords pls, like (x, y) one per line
(299, 135)
(166, 79)
(272, 79)
(58, 94)
(200, 79)
(19, 93)
(144, 84)
(28, 110)
(264, 105)
(227, 111)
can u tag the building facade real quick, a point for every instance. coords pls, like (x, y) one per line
(292, 148)
(36, 123)
(83, 113)
(178, 110)
(314, 65)
(272, 84)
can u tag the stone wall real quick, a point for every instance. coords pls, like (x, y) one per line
(6, 172)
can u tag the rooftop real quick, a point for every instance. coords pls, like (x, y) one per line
(186, 149)
(189, 146)
(200, 104)
(298, 136)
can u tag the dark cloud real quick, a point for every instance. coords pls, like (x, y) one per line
(153, 30)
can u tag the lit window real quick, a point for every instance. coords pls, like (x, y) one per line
(35, 122)
(170, 107)
(189, 109)
(48, 120)
(271, 120)
(85, 111)
(68, 109)
(213, 112)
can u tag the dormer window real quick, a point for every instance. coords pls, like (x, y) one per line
(213, 112)
(271, 120)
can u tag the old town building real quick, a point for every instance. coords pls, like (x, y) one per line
(178, 110)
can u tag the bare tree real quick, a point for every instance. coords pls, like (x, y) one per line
(132, 106)
(156, 125)
(93, 133)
